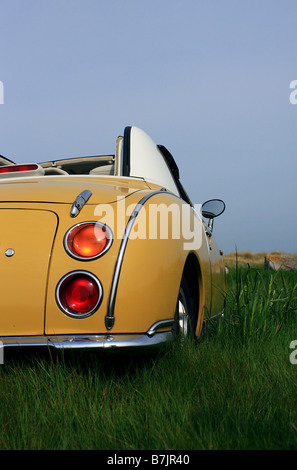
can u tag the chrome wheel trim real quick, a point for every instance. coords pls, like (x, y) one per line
(183, 319)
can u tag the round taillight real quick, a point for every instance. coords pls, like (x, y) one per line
(79, 294)
(88, 240)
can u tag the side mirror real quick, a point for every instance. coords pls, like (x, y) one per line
(211, 209)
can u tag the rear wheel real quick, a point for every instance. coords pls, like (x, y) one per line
(185, 315)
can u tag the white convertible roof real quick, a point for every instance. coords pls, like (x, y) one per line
(139, 156)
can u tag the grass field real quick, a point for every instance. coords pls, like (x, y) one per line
(249, 259)
(234, 389)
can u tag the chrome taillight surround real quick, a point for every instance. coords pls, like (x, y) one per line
(59, 293)
(81, 224)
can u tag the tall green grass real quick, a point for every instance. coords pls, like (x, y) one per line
(259, 303)
(234, 389)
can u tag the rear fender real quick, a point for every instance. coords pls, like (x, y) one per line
(152, 265)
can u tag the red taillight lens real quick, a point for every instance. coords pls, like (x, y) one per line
(88, 240)
(15, 168)
(79, 294)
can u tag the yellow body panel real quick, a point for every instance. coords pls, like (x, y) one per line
(217, 278)
(151, 270)
(23, 276)
(57, 322)
(64, 189)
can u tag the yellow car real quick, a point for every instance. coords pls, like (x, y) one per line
(105, 251)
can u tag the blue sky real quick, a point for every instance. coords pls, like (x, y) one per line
(209, 79)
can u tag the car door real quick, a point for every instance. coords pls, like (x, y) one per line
(217, 276)
(211, 209)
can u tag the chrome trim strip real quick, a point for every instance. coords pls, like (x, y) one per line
(80, 258)
(79, 202)
(73, 314)
(109, 318)
(160, 324)
(117, 341)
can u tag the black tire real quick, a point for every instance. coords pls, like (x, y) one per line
(185, 318)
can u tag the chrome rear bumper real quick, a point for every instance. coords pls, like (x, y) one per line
(152, 338)
(134, 341)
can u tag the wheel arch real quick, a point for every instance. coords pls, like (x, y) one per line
(193, 275)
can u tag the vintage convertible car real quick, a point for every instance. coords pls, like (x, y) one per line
(105, 251)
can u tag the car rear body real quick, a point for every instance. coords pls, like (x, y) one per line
(136, 278)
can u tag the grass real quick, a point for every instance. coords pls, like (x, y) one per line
(235, 389)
